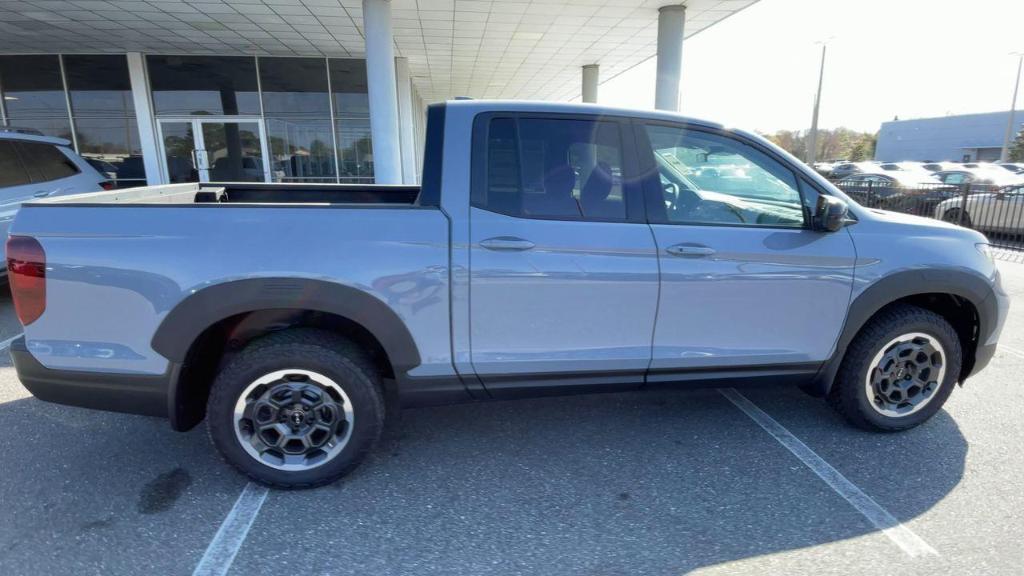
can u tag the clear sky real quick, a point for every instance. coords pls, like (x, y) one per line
(909, 58)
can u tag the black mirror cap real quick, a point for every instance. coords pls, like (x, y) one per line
(830, 214)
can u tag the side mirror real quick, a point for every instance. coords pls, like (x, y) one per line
(830, 213)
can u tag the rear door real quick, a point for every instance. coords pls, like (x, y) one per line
(563, 268)
(745, 284)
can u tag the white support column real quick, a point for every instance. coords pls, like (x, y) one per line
(405, 114)
(670, 56)
(591, 75)
(383, 93)
(144, 118)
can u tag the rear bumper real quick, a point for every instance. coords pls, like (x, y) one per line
(130, 393)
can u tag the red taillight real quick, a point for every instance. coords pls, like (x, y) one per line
(107, 185)
(26, 272)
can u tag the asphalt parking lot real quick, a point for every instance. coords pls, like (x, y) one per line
(656, 482)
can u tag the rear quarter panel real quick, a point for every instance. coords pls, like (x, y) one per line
(115, 272)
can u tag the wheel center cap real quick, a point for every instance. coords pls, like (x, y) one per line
(298, 417)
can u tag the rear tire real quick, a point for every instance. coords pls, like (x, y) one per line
(953, 217)
(898, 371)
(297, 409)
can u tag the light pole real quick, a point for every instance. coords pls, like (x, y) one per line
(812, 139)
(1005, 155)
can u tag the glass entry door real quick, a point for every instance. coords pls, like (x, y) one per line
(214, 150)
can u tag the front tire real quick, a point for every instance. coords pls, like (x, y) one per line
(296, 409)
(898, 371)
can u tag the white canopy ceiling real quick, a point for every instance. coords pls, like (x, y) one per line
(478, 48)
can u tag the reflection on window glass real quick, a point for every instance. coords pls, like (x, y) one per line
(233, 151)
(295, 87)
(203, 85)
(554, 168)
(111, 146)
(301, 150)
(355, 155)
(712, 179)
(32, 88)
(99, 86)
(56, 127)
(348, 88)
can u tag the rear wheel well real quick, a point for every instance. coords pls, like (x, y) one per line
(959, 312)
(220, 341)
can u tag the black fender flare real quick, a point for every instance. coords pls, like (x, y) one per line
(970, 286)
(204, 308)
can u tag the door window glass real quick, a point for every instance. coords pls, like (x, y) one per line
(12, 173)
(553, 168)
(45, 162)
(713, 179)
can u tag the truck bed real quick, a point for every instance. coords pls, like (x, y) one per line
(247, 193)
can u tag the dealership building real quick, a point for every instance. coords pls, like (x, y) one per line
(962, 138)
(164, 91)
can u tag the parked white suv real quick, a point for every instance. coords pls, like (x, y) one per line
(35, 166)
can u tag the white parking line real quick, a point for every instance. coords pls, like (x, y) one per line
(902, 536)
(6, 343)
(219, 555)
(1013, 351)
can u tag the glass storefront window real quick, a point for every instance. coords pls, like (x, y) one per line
(301, 150)
(112, 146)
(32, 88)
(99, 86)
(348, 87)
(294, 87)
(203, 85)
(355, 156)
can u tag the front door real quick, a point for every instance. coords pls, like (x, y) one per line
(745, 282)
(214, 150)
(563, 269)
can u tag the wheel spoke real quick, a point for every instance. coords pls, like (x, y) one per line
(293, 420)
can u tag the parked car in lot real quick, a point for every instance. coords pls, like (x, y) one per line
(909, 191)
(842, 171)
(941, 166)
(902, 167)
(1000, 211)
(1015, 167)
(540, 255)
(33, 166)
(979, 179)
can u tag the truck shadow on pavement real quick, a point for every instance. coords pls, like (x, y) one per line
(648, 482)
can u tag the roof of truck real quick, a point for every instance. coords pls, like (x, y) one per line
(571, 108)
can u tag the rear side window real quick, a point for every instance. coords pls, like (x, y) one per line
(12, 173)
(557, 168)
(45, 162)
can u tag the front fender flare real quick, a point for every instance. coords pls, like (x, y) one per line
(968, 285)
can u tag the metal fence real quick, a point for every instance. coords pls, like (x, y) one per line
(997, 212)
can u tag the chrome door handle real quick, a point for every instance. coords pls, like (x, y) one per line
(508, 243)
(690, 250)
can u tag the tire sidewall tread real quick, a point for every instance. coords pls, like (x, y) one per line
(310, 349)
(848, 396)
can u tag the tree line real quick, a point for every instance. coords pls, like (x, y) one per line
(836, 144)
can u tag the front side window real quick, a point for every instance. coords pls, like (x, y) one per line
(553, 168)
(708, 178)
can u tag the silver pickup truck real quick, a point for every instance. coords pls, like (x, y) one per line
(550, 249)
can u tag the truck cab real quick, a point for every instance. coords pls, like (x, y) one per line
(551, 248)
